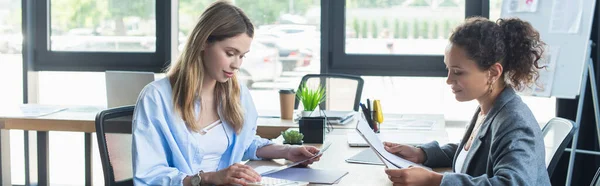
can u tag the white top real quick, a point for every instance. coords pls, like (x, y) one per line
(460, 160)
(462, 155)
(213, 144)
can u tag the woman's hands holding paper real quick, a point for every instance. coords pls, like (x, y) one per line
(413, 176)
(410, 153)
(299, 153)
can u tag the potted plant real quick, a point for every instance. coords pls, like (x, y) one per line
(310, 98)
(292, 137)
(313, 128)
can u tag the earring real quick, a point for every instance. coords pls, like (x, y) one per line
(491, 88)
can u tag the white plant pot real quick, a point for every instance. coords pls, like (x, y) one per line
(306, 113)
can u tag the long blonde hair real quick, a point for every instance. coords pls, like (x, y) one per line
(221, 20)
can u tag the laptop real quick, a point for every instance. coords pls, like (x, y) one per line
(124, 87)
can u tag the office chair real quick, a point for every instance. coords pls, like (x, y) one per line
(558, 132)
(342, 92)
(113, 129)
(596, 180)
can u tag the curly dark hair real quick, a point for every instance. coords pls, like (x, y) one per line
(511, 41)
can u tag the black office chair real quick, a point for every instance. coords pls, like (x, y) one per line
(113, 129)
(596, 180)
(342, 92)
(558, 132)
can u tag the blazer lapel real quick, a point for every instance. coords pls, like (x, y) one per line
(465, 138)
(505, 96)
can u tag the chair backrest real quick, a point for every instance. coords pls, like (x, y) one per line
(596, 180)
(124, 87)
(113, 129)
(558, 132)
(342, 92)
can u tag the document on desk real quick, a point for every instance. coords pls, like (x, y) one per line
(314, 176)
(408, 124)
(34, 110)
(389, 159)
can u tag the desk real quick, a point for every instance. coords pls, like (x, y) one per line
(82, 119)
(338, 152)
(269, 127)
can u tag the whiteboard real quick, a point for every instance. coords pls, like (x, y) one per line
(572, 48)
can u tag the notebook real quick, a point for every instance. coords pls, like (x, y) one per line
(366, 156)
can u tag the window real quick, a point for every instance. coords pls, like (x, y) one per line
(86, 35)
(286, 44)
(401, 27)
(103, 25)
(393, 38)
(11, 78)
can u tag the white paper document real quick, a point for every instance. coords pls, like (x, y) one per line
(408, 124)
(543, 84)
(354, 139)
(389, 159)
(31, 110)
(566, 16)
(314, 176)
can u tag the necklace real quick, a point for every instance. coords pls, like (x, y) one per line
(475, 130)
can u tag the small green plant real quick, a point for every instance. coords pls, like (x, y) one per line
(310, 98)
(292, 137)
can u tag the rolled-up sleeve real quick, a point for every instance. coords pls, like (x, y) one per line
(257, 143)
(150, 149)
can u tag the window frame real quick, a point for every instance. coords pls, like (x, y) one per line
(337, 61)
(47, 60)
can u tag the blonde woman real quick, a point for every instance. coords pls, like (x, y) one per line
(195, 126)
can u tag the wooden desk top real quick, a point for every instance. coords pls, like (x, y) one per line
(334, 158)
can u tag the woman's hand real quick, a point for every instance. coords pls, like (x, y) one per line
(407, 152)
(413, 176)
(234, 174)
(299, 153)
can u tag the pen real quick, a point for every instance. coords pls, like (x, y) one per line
(366, 113)
(369, 105)
(370, 110)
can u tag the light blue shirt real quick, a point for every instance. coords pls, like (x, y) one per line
(165, 151)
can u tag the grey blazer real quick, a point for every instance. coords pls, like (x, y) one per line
(509, 149)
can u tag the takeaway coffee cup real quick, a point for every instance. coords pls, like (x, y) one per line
(286, 102)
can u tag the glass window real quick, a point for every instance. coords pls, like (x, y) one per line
(11, 78)
(286, 44)
(103, 25)
(417, 27)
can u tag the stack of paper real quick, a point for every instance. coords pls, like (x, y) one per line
(390, 160)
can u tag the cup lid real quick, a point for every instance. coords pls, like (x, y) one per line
(286, 91)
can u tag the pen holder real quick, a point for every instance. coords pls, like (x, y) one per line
(313, 129)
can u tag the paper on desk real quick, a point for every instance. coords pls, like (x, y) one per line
(393, 161)
(39, 110)
(314, 176)
(408, 124)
